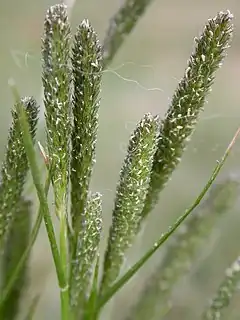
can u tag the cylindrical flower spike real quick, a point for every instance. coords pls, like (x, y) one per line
(188, 101)
(87, 74)
(57, 100)
(87, 246)
(56, 83)
(15, 166)
(121, 24)
(130, 196)
(224, 293)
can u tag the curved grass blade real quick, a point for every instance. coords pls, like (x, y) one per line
(129, 274)
(29, 147)
(130, 196)
(32, 308)
(17, 240)
(121, 25)
(188, 101)
(183, 249)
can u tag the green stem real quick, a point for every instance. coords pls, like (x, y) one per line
(28, 144)
(32, 308)
(91, 309)
(128, 275)
(64, 262)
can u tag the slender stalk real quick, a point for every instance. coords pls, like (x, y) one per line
(28, 144)
(129, 274)
(32, 309)
(91, 309)
(183, 247)
(64, 262)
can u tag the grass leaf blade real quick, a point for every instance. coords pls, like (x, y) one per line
(183, 248)
(130, 273)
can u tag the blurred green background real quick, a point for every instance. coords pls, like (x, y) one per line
(142, 78)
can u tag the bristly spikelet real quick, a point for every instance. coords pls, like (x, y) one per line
(15, 166)
(56, 83)
(87, 74)
(224, 293)
(121, 24)
(88, 239)
(188, 101)
(130, 196)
